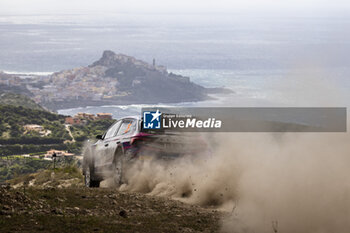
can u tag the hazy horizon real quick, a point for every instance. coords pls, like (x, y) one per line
(53, 7)
(249, 46)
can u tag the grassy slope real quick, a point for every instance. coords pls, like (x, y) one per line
(13, 118)
(14, 166)
(8, 98)
(16, 140)
(90, 129)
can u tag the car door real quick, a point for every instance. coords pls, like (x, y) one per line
(126, 131)
(104, 146)
(126, 128)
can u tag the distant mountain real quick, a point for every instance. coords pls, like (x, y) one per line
(148, 82)
(120, 79)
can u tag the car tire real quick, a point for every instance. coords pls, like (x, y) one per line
(118, 168)
(88, 180)
(88, 170)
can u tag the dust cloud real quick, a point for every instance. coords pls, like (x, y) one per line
(266, 182)
(280, 182)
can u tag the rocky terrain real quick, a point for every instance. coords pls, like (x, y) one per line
(41, 203)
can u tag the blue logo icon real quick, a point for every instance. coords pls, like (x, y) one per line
(151, 120)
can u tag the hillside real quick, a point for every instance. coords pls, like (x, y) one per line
(120, 79)
(150, 83)
(9, 98)
(14, 118)
(113, 79)
(17, 138)
(12, 83)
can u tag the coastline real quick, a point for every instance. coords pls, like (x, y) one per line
(210, 93)
(121, 110)
(29, 73)
(56, 106)
(114, 79)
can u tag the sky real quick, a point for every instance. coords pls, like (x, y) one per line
(165, 6)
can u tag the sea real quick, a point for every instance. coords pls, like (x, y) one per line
(266, 60)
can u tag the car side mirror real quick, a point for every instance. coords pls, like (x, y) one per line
(98, 136)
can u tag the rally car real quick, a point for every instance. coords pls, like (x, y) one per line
(126, 142)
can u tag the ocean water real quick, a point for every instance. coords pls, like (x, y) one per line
(277, 88)
(266, 60)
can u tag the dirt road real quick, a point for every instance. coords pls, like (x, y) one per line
(69, 132)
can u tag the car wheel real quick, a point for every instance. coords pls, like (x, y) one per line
(88, 170)
(89, 182)
(87, 177)
(118, 168)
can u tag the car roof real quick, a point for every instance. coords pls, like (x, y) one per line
(131, 117)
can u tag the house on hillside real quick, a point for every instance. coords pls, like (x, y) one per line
(37, 128)
(82, 118)
(83, 115)
(59, 154)
(33, 127)
(73, 120)
(104, 115)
